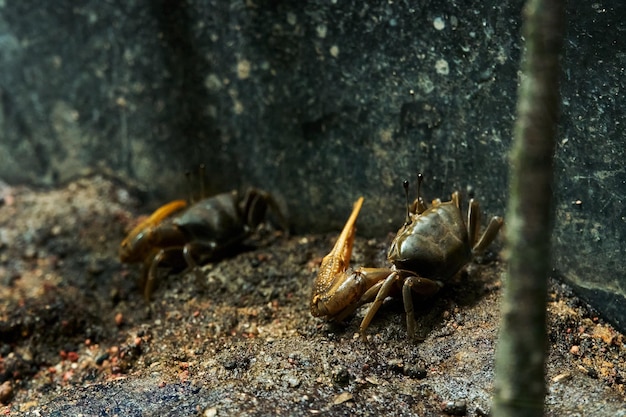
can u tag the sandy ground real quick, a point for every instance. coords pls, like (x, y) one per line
(77, 337)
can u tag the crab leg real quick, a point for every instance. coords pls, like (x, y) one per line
(412, 284)
(489, 234)
(473, 221)
(383, 293)
(150, 269)
(418, 285)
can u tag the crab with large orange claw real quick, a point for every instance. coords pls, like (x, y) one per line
(432, 246)
(181, 233)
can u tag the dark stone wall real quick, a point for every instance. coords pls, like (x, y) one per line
(318, 102)
(591, 158)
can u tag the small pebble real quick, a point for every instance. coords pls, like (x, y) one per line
(293, 382)
(481, 413)
(562, 377)
(95, 266)
(119, 319)
(6, 392)
(342, 398)
(341, 376)
(416, 372)
(30, 252)
(396, 365)
(210, 412)
(574, 350)
(100, 359)
(455, 408)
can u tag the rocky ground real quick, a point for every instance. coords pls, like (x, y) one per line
(77, 337)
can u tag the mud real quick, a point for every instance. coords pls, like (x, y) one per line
(77, 337)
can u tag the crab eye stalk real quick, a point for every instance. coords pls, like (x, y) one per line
(420, 180)
(418, 206)
(405, 184)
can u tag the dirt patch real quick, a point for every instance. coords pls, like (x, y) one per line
(76, 335)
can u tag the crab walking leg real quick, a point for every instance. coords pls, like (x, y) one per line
(473, 221)
(489, 235)
(188, 250)
(331, 281)
(191, 263)
(385, 289)
(418, 285)
(152, 270)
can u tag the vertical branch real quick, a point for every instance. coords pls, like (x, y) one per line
(520, 386)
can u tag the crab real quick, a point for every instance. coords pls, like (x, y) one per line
(432, 246)
(182, 233)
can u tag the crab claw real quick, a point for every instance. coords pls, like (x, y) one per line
(332, 275)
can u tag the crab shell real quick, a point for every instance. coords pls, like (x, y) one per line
(434, 244)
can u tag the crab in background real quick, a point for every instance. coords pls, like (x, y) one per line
(181, 233)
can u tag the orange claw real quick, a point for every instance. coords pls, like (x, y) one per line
(336, 262)
(129, 248)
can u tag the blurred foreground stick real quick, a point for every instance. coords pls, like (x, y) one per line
(519, 385)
